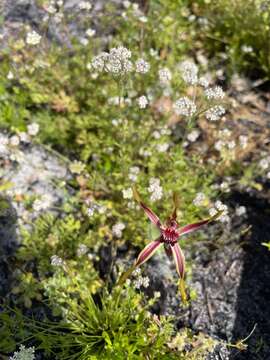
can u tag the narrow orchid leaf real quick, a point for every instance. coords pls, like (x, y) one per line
(148, 251)
(151, 215)
(179, 259)
(192, 227)
(125, 275)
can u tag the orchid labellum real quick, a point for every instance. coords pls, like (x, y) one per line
(170, 232)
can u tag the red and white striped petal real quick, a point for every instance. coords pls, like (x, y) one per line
(192, 227)
(151, 215)
(179, 259)
(148, 251)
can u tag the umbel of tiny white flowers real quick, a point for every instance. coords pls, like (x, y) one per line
(33, 38)
(170, 232)
(24, 353)
(118, 62)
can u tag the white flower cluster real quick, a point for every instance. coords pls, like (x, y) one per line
(90, 32)
(24, 353)
(184, 106)
(98, 62)
(145, 152)
(214, 93)
(14, 140)
(165, 76)
(84, 5)
(136, 12)
(140, 280)
(118, 62)
(33, 38)
(24, 137)
(164, 131)
(33, 129)
(200, 199)
(264, 163)
(142, 66)
(225, 142)
(10, 75)
(116, 100)
(215, 113)
(117, 229)
(189, 72)
(225, 186)
(240, 210)
(247, 49)
(117, 122)
(193, 135)
(127, 193)
(155, 189)
(225, 133)
(162, 148)
(133, 173)
(82, 250)
(204, 81)
(43, 203)
(224, 217)
(142, 102)
(92, 208)
(57, 261)
(126, 4)
(53, 7)
(4, 141)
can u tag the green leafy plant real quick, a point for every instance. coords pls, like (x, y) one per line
(240, 29)
(117, 325)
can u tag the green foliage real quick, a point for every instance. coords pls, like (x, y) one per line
(116, 325)
(50, 236)
(119, 327)
(239, 28)
(80, 115)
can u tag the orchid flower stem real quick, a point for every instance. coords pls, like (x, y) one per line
(182, 290)
(125, 275)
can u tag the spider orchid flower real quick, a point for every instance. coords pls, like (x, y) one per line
(170, 232)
